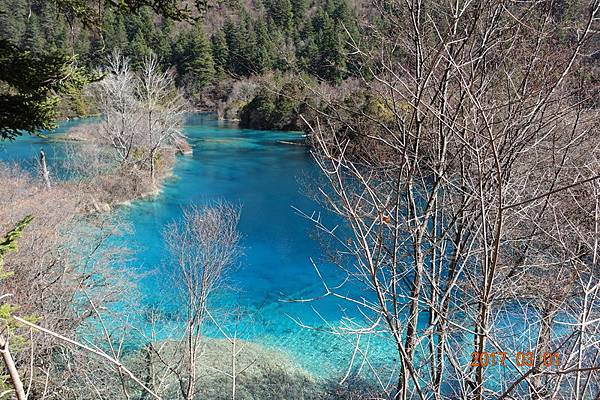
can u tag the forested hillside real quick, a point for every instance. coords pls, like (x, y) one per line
(447, 246)
(234, 42)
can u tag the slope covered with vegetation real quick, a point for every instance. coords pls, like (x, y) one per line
(235, 44)
(457, 144)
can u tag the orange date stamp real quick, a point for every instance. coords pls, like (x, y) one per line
(521, 359)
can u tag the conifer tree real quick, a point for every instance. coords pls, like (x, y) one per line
(195, 62)
(262, 59)
(32, 38)
(220, 52)
(114, 31)
(138, 49)
(12, 19)
(299, 8)
(34, 80)
(233, 39)
(281, 13)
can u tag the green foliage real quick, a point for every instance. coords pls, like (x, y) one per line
(269, 110)
(284, 35)
(259, 113)
(32, 38)
(299, 8)
(325, 53)
(5, 310)
(262, 54)
(233, 41)
(320, 42)
(89, 13)
(35, 69)
(114, 31)
(29, 86)
(220, 52)
(281, 37)
(281, 13)
(9, 241)
(194, 58)
(11, 27)
(240, 42)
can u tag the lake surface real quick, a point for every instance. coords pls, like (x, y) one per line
(255, 170)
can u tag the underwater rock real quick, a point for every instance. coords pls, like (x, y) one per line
(262, 373)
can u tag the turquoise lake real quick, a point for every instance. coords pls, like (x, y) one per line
(265, 177)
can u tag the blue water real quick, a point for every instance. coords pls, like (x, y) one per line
(254, 170)
(24, 150)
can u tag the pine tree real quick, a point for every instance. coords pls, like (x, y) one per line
(281, 13)
(282, 50)
(194, 60)
(330, 61)
(138, 50)
(202, 65)
(248, 45)
(32, 38)
(114, 31)
(299, 8)
(61, 40)
(262, 57)
(37, 79)
(220, 52)
(48, 25)
(346, 23)
(161, 45)
(308, 51)
(83, 47)
(232, 35)
(12, 19)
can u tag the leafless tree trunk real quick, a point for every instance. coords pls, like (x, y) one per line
(459, 177)
(116, 100)
(44, 169)
(9, 363)
(204, 245)
(162, 109)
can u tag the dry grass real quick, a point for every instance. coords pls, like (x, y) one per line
(92, 166)
(61, 271)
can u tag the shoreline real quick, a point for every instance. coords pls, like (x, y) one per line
(117, 184)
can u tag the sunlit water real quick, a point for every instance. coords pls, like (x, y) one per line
(255, 170)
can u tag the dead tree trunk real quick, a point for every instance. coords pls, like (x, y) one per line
(44, 169)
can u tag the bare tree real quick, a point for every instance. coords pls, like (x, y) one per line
(450, 177)
(143, 111)
(203, 246)
(162, 109)
(116, 100)
(44, 168)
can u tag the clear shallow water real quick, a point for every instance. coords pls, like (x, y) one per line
(263, 176)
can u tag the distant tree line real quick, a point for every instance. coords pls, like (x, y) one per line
(280, 35)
